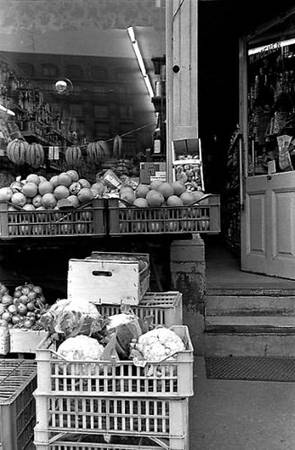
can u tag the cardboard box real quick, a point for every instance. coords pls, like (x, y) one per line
(150, 171)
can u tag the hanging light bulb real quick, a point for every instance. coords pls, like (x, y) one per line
(63, 86)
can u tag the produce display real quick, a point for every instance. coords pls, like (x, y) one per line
(188, 171)
(24, 308)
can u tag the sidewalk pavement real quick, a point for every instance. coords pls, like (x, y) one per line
(241, 415)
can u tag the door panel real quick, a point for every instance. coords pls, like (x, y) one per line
(268, 239)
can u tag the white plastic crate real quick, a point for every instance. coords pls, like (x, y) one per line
(171, 378)
(161, 420)
(164, 307)
(25, 340)
(90, 442)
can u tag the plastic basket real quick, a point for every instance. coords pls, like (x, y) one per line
(164, 307)
(53, 223)
(200, 218)
(90, 442)
(172, 378)
(153, 418)
(17, 406)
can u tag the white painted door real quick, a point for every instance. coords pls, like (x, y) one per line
(268, 225)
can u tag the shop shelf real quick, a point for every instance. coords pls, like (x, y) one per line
(89, 221)
(90, 442)
(171, 378)
(17, 405)
(199, 218)
(157, 419)
(165, 308)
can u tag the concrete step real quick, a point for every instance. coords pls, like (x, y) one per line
(249, 344)
(269, 323)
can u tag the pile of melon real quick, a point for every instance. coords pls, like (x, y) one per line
(158, 194)
(37, 193)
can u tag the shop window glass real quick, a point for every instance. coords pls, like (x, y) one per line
(49, 70)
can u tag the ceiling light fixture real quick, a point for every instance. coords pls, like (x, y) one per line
(272, 46)
(6, 110)
(140, 61)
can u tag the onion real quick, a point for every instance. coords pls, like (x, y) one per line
(37, 289)
(6, 316)
(12, 309)
(22, 309)
(7, 300)
(31, 306)
(3, 323)
(24, 299)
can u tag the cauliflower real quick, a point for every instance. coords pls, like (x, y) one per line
(119, 319)
(159, 344)
(80, 348)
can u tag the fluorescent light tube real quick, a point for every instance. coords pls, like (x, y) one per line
(140, 61)
(272, 46)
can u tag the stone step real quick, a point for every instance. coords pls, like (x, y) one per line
(260, 323)
(249, 344)
(234, 305)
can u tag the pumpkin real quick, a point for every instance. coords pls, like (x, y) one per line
(35, 155)
(16, 151)
(73, 156)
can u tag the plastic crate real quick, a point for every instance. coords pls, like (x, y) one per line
(53, 223)
(25, 340)
(90, 442)
(17, 406)
(152, 418)
(200, 218)
(164, 307)
(172, 378)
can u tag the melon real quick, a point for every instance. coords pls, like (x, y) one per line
(64, 179)
(33, 178)
(42, 178)
(99, 188)
(155, 184)
(73, 174)
(187, 198)
(84, 183)
(30, 189)
(74, 200)
(141, 202)
(174, 200)
(29, 207)
(166, 189)
(48, 201)
(61, 192)
(155, 198)
(198, 195)
(85, 195)
(37, 201)
(45, 187)
(64, 203)
(18, 199)
(5, 194)
(75, 188)
(142, 190)
(128, 196)
(125, 187)
(54, 180)
(178, 187)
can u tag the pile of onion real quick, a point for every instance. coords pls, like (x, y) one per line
(24, 309)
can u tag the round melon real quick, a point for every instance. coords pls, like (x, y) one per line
(45, 187)
(37, 201)
(64, 179)
(174, 200)
(166, 189)
(155, 184)
(155, 198)
(178, 188)
(85, 195)
(99, 188)
(41, 178)
(84, 183)
(187, 198)
(198, 195)
(75, 188)
(142, 190)
(30, 189)
(141, 202)
(29, 207)
(33, 178)
(18, 199)
(48, 201)
(54, 180)
(128, 196)
(73, 174)
(5, 194)
(125, 187)
(74, 200)
(61, 192)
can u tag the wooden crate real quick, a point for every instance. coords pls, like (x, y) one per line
(107, 281)
(25, 341)
(90, 221)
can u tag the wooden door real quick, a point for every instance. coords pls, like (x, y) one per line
(181, 73)
(269, 239)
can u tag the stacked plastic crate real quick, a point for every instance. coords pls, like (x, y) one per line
(114, 405)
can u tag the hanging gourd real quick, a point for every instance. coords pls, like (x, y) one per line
(73, 156)
(95, 152)
(16, 151)
(117, 147)
(34, 155)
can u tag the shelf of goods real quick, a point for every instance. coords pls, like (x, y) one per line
(88, 221)
(17, 405)
(198, 218)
